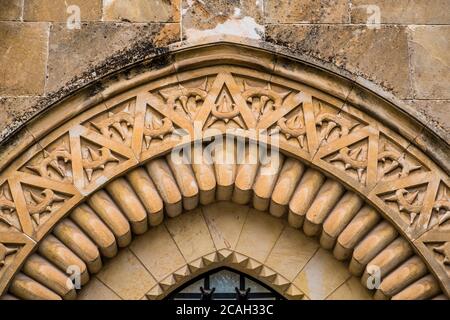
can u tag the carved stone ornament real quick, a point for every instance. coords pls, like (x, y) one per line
(100, 172)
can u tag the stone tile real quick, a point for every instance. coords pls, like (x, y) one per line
(98, 48)
(141, 10)
(437, 113)
(306, 11)
(259, 234)
(430, 61)
(10, 9)
(158, 252)
(321, 276)
(14, 111)
(403, 11)
(23, 54)
(352, 289)
(191, 235)
(233, 17)
(358, 49)
(291, 253)
(57, 10)
(127, 276)
(96, 290)
(225, 221)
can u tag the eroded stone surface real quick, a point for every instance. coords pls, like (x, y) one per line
(402, 11)
(206, 18)
(306, 11)
(430, 61)
(321, 276)
(61, 10)
(141, 10)
(23, 54)
(73, 52)
(13, 112)
(127, 276)
(10, 9)
(358, 49)
(437, 113)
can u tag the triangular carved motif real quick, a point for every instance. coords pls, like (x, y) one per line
(333, 123)
(8, 212)
(186, 99)
(441, 251)
(353, 156)
(224, 106)
(53, 162)
(117, 123)
(394, 162)
(292, 128)
(225, 111)
(441, 206)
(96, 158)
(263, 101)
(407, 201)
(157, 128)
(39, 202)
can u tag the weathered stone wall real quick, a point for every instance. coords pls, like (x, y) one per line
(408, 53)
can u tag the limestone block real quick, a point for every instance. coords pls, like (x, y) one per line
(306, 11)
(23, 54)
(127, 276)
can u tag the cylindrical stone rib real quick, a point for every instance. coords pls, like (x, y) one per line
(357, 229)
(440, 297)
(186, 181)
(265, 181)
(410, 271)
(344, 211)
(388, 259)
(167, 187)
(48, 275)
(288, 179)
(75, 239)
(96, 229)
(303, 196)
(62, 257)
(246, 175)
(107, 210)
(149, 196)
(129, 203)
(225, 168)
(329, 194)
(202, 166)
(378, 239)
(26, 288)
(422, 289)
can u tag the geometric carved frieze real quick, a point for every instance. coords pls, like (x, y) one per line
(108, 140)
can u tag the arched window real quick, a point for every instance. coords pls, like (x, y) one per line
(224, 284)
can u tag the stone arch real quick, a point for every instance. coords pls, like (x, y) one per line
(79, 168)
